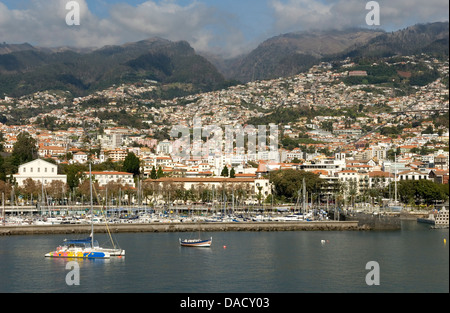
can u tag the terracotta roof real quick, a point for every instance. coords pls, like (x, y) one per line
(320, 172)
(380, 174)
(110, 173)
(347, 171)
(245, 175)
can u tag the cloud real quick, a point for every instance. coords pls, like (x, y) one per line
(42, 23)
(205, 27)
(166, 19)
(300, 13)
(295, 15)
(205, 24)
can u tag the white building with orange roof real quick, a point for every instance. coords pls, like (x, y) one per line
(116, 154)
(441, 161)
(103, 178)
(51, 151)
(347, 176)
(80, 157)
(380, 179)
(254, 185)
(412, 175)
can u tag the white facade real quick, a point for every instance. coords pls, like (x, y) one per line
(80, 157)
(103, 178)
(255, 185)
(39, 170)
(412, 175)
(164, 147)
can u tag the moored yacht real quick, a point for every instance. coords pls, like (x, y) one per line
(84, 248)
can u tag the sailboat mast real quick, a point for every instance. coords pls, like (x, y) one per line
(3, 208)
(395, 180)
(92, 211)
(304, 196)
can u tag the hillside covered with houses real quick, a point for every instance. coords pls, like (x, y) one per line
(358, 127)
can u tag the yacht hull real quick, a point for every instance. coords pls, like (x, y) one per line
(196, 243)
(79, 254)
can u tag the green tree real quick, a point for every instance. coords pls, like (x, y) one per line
(75, 174)
(232, 173)
(327, 125)
(160, 173)
(421, 191)
(428, 130)
(2, 169)
(224, 172)
(25, 149)
(153, 174)
(132, 164)
(288, 183)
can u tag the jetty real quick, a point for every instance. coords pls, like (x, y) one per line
(183, 227)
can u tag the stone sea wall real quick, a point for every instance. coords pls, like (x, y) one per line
(183, 227)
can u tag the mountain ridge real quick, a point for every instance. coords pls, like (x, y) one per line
(31, 69)
(26, 69)
(291, 53)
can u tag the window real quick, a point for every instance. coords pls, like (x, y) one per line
(53, 169)
(45, 170)
(31, 170)
(24, 169)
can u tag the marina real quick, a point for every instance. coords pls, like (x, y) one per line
(413, 259)
(189, 220)
(182, 227)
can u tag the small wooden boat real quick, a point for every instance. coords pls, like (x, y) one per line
(196, 242)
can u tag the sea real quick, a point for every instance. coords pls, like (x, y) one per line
(414, 259)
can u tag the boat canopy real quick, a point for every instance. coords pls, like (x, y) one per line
(81, 242)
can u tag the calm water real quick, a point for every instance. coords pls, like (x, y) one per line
(414, 259)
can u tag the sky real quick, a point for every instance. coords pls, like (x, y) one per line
(226, 27)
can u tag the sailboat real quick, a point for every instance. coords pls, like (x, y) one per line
(85, 248)
(114, 251)
(204, 243)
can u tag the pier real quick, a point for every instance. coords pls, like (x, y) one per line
(182, 227)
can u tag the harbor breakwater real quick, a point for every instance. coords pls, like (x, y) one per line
(183, 227)
(376, 222)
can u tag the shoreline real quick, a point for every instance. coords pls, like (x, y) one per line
(183, 227)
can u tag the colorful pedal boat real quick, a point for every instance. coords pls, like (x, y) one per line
(78, 249)
(78, 254)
